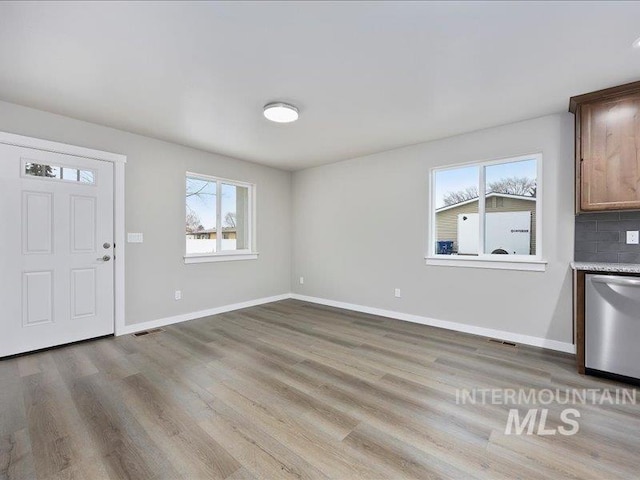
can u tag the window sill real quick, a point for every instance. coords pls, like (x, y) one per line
(219, 257)
(496, 264)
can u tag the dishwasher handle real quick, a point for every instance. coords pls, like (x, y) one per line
(622, 281)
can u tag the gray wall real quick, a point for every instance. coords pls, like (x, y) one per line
(155, 175)
(601, 237)
(360, 230)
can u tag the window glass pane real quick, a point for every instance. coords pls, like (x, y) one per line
(456, 214)
(235, 217)
(86, 176)
(201, 216)
(60, 173)
(510, 208)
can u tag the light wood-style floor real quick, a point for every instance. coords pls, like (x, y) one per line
(292, 390)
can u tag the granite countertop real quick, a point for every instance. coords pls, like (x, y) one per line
(607, 267)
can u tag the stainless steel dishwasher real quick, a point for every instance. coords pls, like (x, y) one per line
(612, 330)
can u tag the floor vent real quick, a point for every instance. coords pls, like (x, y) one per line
(503, 342)
(147, 332)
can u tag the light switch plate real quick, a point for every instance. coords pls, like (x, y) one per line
(632, 237)
(135, 238)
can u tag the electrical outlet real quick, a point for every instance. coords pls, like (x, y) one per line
(632, 237)
(301, 280)
(178, 295)
(397, 293)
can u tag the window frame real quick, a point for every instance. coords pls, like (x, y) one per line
(225, 255)
(487, 260)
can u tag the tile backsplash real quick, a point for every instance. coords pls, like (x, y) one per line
(601, 237)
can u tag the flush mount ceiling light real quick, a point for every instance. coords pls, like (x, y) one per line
(280, 112)
(636, 44)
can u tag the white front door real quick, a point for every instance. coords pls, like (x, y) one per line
(56, 249)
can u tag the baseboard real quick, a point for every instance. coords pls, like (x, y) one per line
(163, 322)
(458, 327)
(407, 317)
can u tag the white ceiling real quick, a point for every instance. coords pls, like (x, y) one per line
(366, 76)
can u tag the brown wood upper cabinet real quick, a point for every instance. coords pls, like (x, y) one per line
(608, 148)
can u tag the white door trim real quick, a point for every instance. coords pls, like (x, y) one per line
(119, 162)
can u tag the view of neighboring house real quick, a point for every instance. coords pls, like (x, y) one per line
(450, 218)
(204, 241)
(228, 233)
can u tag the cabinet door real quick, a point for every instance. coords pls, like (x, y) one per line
(610, 147)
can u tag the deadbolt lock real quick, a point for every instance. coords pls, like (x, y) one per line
(106, 245)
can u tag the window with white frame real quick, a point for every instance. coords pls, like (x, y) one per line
(219, 218)
(487, 211)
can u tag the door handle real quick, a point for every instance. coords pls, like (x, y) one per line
(106, 258)
(625, 282)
